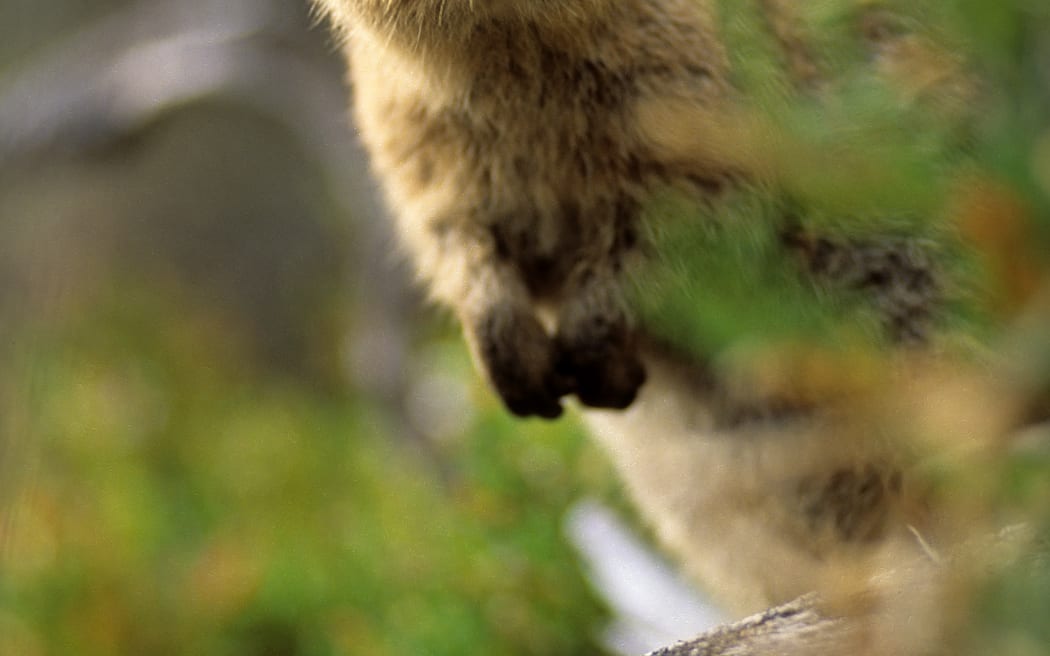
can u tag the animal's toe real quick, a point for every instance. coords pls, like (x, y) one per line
(605, 374)
(612, 384)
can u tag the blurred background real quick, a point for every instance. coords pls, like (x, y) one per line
(227, 426)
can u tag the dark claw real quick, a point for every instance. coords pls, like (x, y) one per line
(518, 357)
(611, 385)
(533, 407)
(532, 371)
(605, 373)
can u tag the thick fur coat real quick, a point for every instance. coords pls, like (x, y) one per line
(516, 142)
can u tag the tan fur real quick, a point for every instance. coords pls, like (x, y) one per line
(516, 141)
(508, 140)
(759, 505)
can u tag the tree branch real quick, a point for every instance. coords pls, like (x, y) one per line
(796, 628)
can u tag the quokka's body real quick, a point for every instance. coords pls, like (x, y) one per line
(509, 139)
(516, 142)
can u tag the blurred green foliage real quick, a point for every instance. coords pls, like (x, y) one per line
(959, 166)
(193, 459)
(184, 502)
(969, 179)
(750, 290)
(186, 469)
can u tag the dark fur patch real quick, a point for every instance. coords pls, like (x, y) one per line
(851, 502)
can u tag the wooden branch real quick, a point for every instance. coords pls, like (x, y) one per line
(796, 628)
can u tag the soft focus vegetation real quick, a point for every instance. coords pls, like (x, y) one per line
(181, 501)
(225, 426)
(959, 161)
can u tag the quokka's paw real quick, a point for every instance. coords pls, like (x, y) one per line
(601, 361)
(519, 357)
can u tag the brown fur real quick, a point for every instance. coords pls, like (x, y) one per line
(516, 141)
(508, 138)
